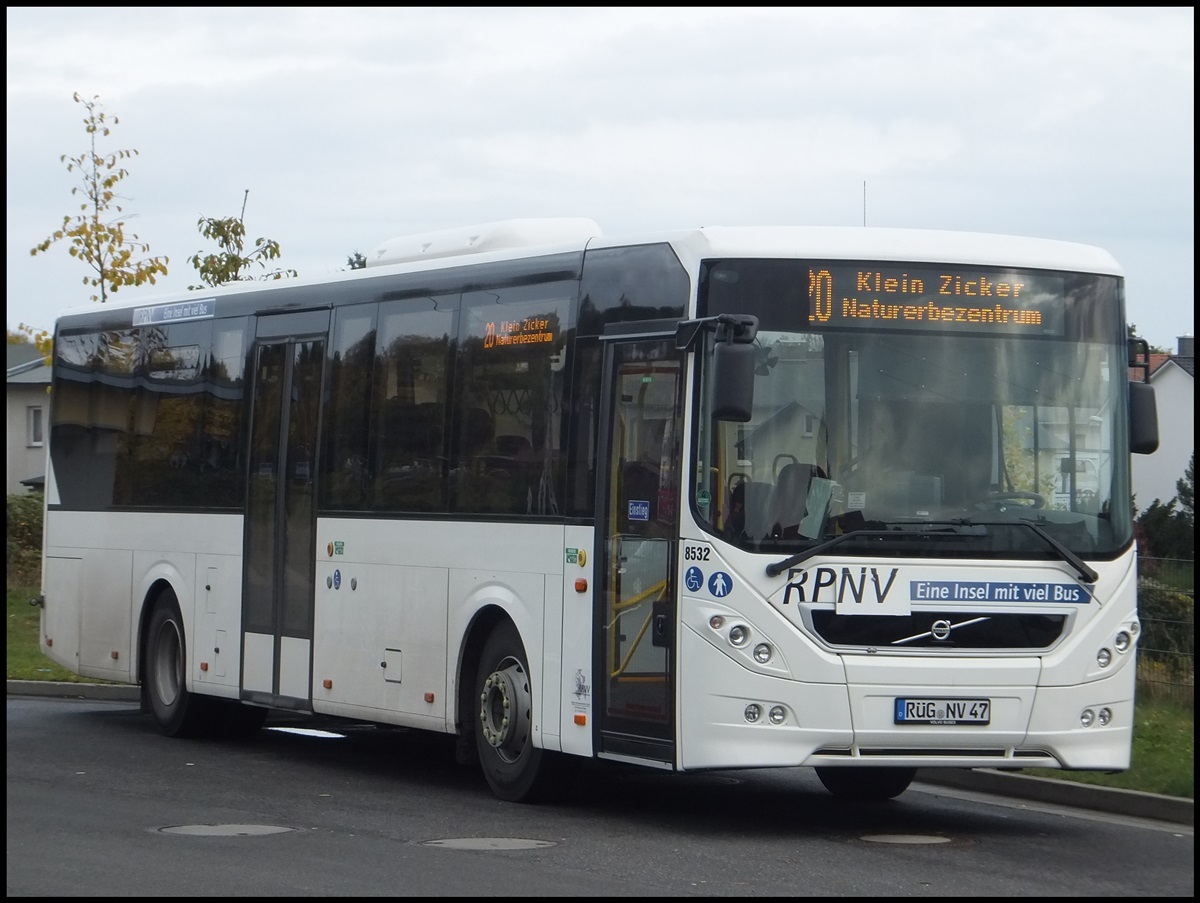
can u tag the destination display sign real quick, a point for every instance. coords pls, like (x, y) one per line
(942, 298)
(518, 331)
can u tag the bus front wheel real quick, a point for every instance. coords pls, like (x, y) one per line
(515, 769)
(866, 784)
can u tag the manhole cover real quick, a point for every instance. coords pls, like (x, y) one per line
(226, 830)
(488, 843)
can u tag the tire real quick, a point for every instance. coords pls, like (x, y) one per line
(176, 712)
(873, 784)
(514, 768)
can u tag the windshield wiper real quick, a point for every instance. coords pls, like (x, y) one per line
(1085, 573)
(774, 570)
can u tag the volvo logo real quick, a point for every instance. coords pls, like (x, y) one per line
(940, 629)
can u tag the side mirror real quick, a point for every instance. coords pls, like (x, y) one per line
(733, 381)
(1143, 419)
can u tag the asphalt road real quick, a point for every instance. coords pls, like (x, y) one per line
(100, 804)
(982, 780)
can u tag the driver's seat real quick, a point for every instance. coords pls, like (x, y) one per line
(789, 501)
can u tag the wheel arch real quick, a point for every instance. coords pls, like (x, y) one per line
(480, 627)
(521, 602)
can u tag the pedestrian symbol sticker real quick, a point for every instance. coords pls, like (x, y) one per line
(719, 584)
(693, 579)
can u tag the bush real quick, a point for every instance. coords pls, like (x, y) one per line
(1166, 657)
(23, 551)
(1159, 602)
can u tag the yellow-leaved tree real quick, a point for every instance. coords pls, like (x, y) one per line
(96, 234)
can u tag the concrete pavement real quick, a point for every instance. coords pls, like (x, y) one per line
(982, 780)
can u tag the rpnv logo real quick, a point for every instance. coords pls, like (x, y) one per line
(639, 509)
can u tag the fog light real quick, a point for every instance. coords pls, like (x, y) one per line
(1104, 658)
(739, 634)
(1133, 628)
(777, 714)
(1104, 716)
(1087, 717)
(762, 653)
(1122, 641)
(716, 622)
(753, 712)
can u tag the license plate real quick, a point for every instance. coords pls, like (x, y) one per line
(926, 710)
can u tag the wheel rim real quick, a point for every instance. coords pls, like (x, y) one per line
(504, 710)
(168, 663)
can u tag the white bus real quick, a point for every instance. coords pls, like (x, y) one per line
(717, 499)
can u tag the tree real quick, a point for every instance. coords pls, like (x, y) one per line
(1185, 488)
(96, 236)
(231, 261)
(356, 261)
(1166, 532)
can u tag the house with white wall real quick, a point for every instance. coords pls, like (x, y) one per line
(28, 418)
(1174, 378)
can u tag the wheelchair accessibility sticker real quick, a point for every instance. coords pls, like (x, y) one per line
(693, 579)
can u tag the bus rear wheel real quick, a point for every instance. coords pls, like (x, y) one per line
(515, 769)
(176, 712)
(866, 784)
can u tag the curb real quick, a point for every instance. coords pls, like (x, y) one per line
(1178, 810)
(1114, 800)
(70, 690)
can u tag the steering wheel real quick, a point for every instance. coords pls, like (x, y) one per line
(997, 499)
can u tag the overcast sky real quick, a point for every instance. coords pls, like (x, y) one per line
(353, 125)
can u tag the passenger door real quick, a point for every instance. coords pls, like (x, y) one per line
(280, 528)
(637, 528)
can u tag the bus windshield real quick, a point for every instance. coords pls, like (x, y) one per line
(920, 437)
